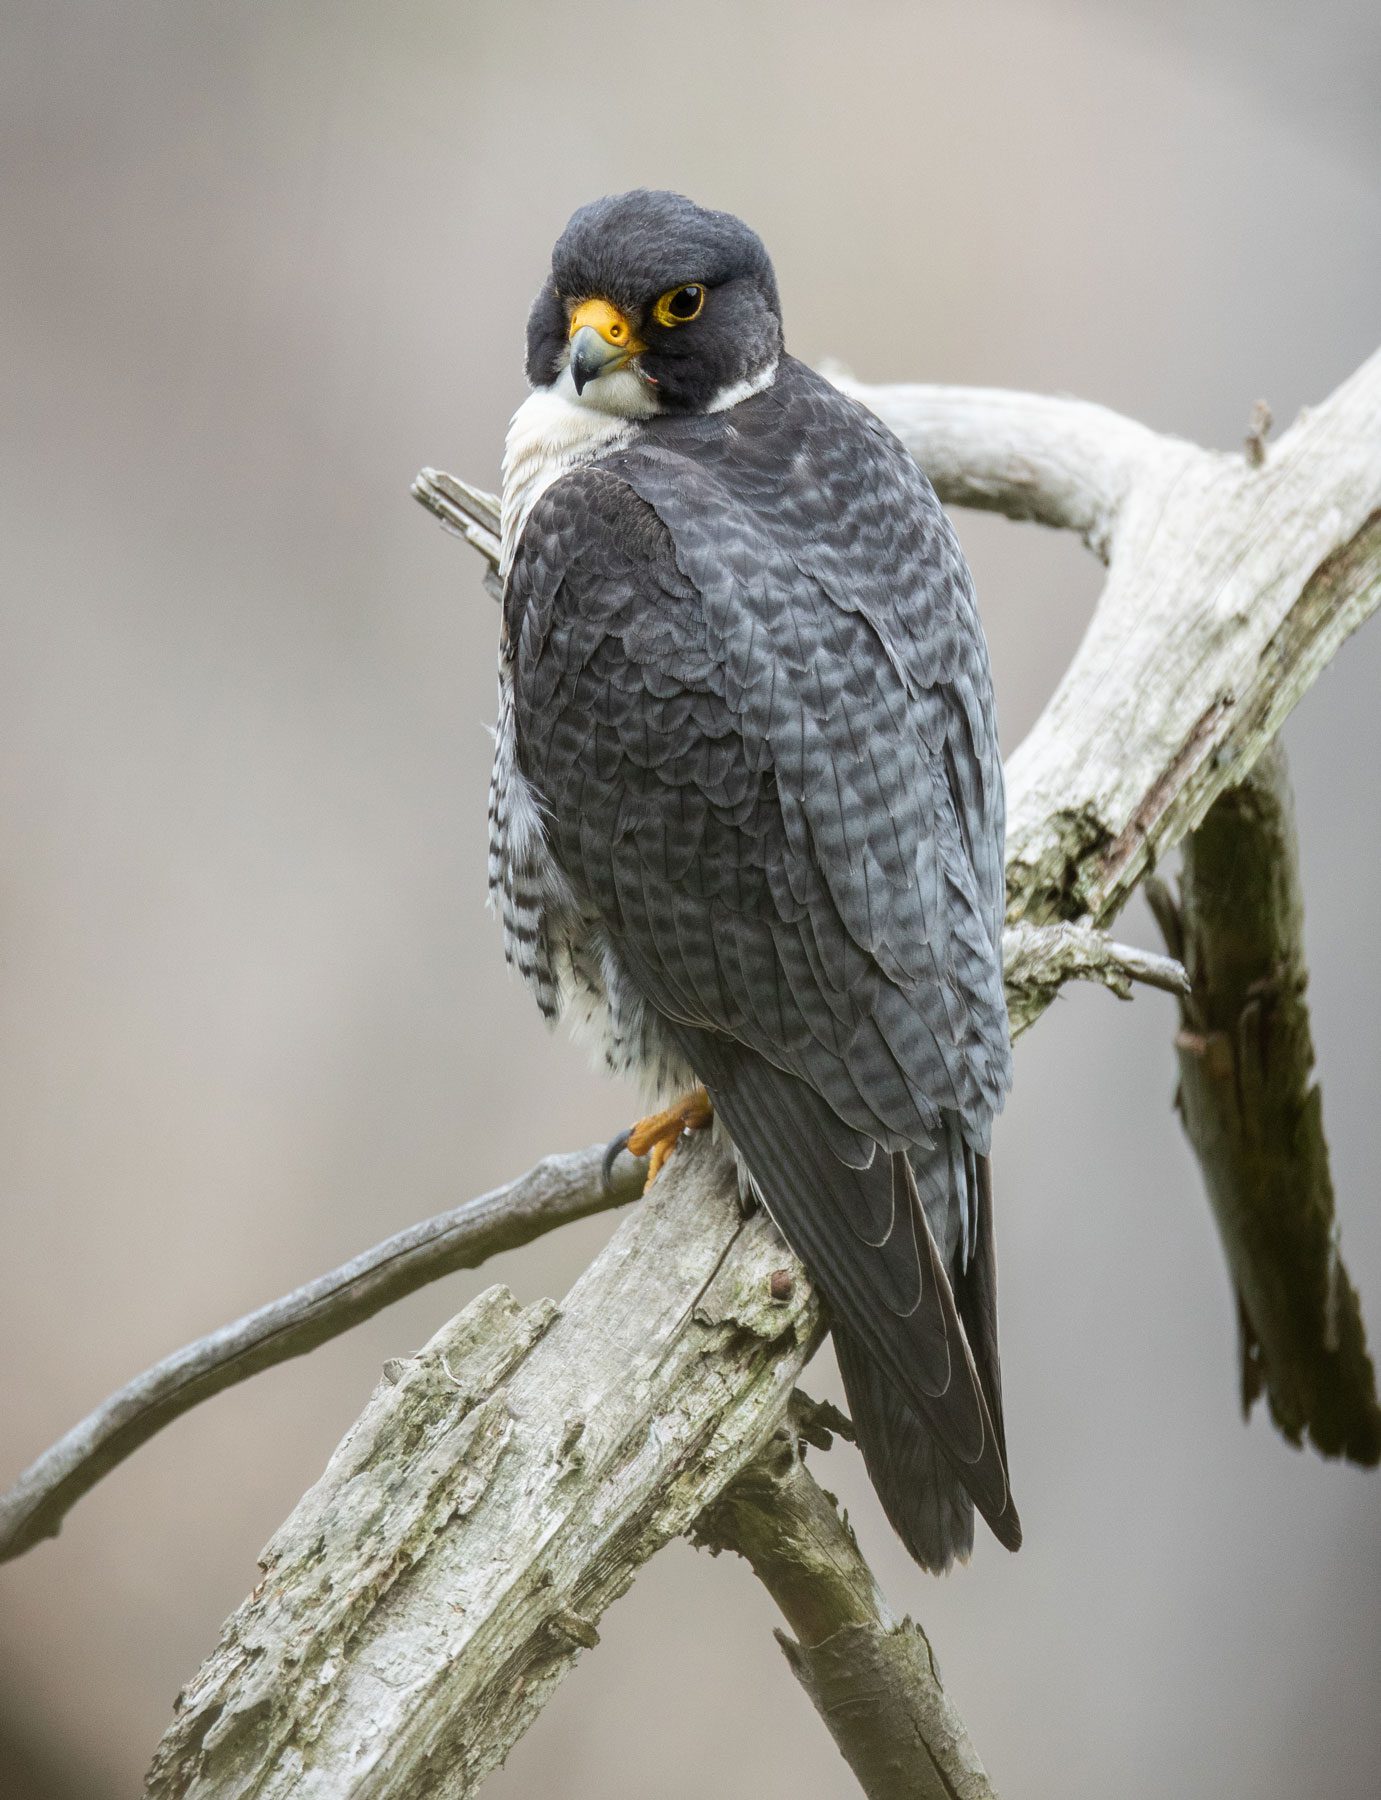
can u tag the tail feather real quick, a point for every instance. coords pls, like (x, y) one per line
(927, 1502)
(917, 1347)
(929, 1506)
(975, 1294)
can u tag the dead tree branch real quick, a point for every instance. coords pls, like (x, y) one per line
(425, 1597)
(537, 1496)
(871, 1677)
(1229, 588)
(1056, 461)
(1039, 959)
(559, 1190)
(1254, 1115)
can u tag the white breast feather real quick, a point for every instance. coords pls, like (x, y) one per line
(555, 431)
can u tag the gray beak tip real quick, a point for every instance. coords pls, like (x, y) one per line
(591, 356)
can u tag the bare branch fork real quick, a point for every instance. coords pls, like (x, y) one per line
(503, 1486)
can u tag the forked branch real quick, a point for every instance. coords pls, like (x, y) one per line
(425, 1598)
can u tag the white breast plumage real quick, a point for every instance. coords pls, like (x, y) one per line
(555, 431)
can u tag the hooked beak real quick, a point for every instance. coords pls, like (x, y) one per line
(601, 340)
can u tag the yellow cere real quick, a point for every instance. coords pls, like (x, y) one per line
(608, 321)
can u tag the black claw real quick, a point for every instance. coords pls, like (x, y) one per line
(611, 1156)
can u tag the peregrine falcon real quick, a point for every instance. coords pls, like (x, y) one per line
(746, 817)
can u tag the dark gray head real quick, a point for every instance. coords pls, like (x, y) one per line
(682, 298)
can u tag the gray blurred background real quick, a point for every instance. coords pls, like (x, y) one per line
(260, 263)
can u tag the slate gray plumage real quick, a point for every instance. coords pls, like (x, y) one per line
(747, 817)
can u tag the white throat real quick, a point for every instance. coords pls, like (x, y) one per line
(556, 430)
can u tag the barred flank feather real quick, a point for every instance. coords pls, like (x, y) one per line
(522, 876)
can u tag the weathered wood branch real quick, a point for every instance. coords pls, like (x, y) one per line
(1230, 586)
(1254, 1115)
(1030, 456)
(1039, 959)
(560, 1189)
(871, 1677)
(466, 512)
(426, 1596)
(1231, 583)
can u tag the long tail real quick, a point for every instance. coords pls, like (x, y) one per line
(924, 1497)
(929, 1506)
(919, 1356)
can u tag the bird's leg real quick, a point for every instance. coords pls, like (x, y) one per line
(655, 1137)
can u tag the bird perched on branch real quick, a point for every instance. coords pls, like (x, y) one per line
(746, 819)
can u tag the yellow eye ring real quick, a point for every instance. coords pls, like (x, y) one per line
(679, 305)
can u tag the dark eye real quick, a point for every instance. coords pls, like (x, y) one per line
(680, 305)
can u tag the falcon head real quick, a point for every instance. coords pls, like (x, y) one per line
(655, 305)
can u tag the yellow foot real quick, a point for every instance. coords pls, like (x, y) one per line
(657, 1136)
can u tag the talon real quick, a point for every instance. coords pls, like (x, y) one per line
(656, 1136)
(611, 1156)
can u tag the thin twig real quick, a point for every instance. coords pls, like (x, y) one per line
(466, 512)
(1039, 959)
(558, 1190)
